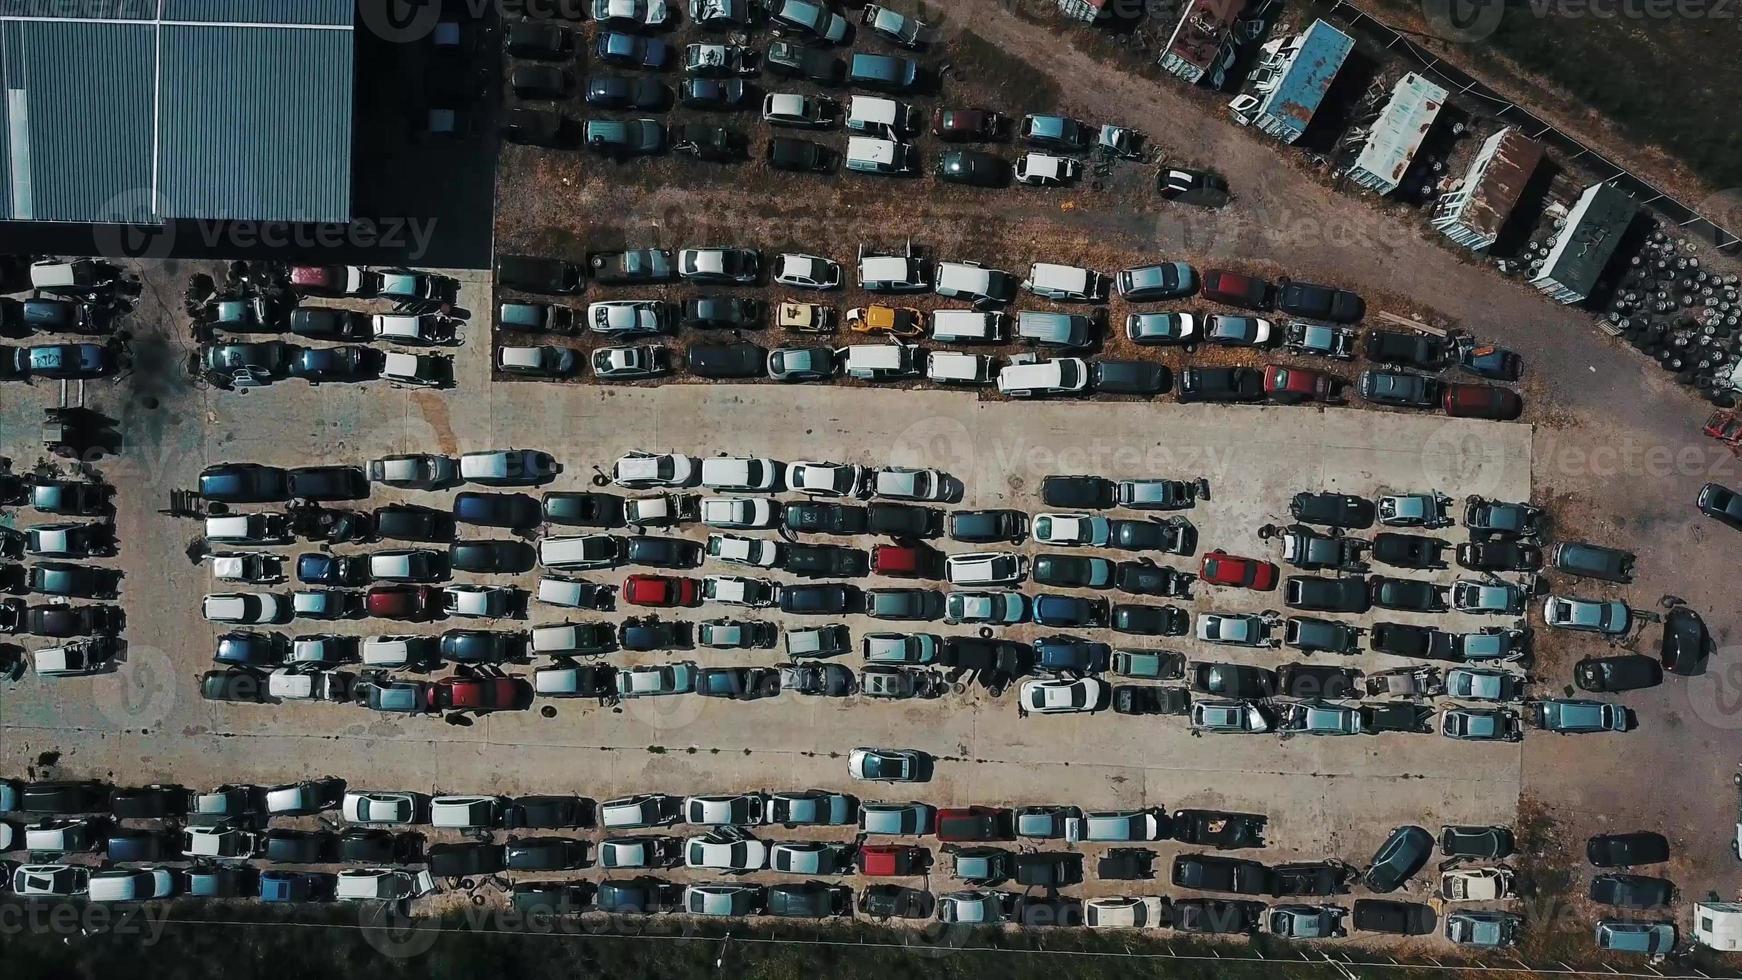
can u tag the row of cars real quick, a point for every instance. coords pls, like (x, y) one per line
(77, 296)
(57, 561)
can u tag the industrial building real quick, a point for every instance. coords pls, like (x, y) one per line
(1474, 211)
(1586, 243)
(1203, 45)
(1398, 133)
(1089, 10)
(146, 111)
(1291, 81)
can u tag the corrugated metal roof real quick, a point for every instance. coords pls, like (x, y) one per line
(1402, 125)
(1588, 241)
(1499, 174)
(1308, 76)
(78, 120)
(252, 125)
(242, 122)
(1202, 28)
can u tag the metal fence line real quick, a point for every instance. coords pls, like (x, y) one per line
(1453, 77)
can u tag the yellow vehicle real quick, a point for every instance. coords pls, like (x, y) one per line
(897, 321)
(806, 317)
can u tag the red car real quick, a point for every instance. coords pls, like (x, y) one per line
(976, 823)
(892, 860)
(661, 590)
(965, 125)
(476, 693)
(1290, 385)
(1221, 568)
(899, 560)
(334, 280)
(1466, 401)
(1235, 289)
(402, 601)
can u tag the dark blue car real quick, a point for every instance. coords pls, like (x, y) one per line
(1069, 655)
(296, 886)
(320, 568)
(631, 51)
(244, 483)
(1069, 611)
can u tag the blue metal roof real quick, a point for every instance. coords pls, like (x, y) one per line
(238, 109)
(1308, 77)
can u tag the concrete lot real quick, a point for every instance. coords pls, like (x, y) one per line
(1326, 797)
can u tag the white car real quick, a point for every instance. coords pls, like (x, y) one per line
(582, 551)
(910, 483)
(971, 907)
(627, 362)
(465, 812)
(636, 852)
(133, 884)
(985, 568)
(1091, 530)
(754, 552)
(1146, 912)
(63, 880)
(252, 608)
(806, 271)
(885, 765)
(631, 13)
(1228, 716)
(736, 590)
(725, 852)
(409, 565)
(741, 474)
(416, 471)
(642, 810)
(639, 470)
(1047, 170)
(1115, 826)
(826, 479)
(380, 885)
(737, 810)
(381, 809)
(224, 843)
(1058, 697)
(801, 111)
(307, 685)
(739, 513)
(476, 601)
(628, 318)
(1476, 884)
(1002, 608)
(1610, 618)
(1234, 629)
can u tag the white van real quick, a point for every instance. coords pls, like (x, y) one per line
(879, 116)
(72, 660)
(969, 326)
(133, 884)
(878, 362)
(985, 568)
(955, 367)
(869, 155)
(387, 651)
(247, 528)
(1065, 282)
(419, 370)
(465, 812)
(1059, 376)
(562, 592)
(973, 281)
(893, 274)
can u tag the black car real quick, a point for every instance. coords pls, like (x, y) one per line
(740, 359)
(1499, 555)
(1314, 302)
(544, 853)
(1484, 843)
(1686, 645)
(299, 846)
(548, 812)
(737, 683)
(1632, 891)
(328, 483)
(1408, 595)
(722, 313)
(1048, 870)
(1398, 388)
(988, 526)
(1219, 829)
(820, 517)
(1238, 384)
(1495, 518)
(409, 522)
(237, 684)
(1129, 377)
(1148, 578)
(1313, 681)
(1310, 635)
(1209, 916)
(1078, 492)
(1593, 561)
(1404, 853)
(1394, 918)
(618, 92)
(1071, 571)
(1233, 680)
(73, 581)
(248, 648)
(658, 552)
(1310, 878)
(1174, 535)
(479, 646)
(1148, 699)
(904, 520)
(1310, 592)
(824, 561)
(490, 556)
(536, 127)
(364, 845)
(650, 634)
(714, 144)
(1411, 349)
(895, 902)
(152, 802)
(64, 797)
(1416, 551)
(61, 620)
(465, 860)
(509, 510)
(1327, 509)
(808, 900)
(803, 156)
(1627, 850)
(975, 167)
(1069, 611)
(816, 600)
(244, 483)
(345, 363)
(584, 509)
(74, 498)
(921, 605)
(1146, 620)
